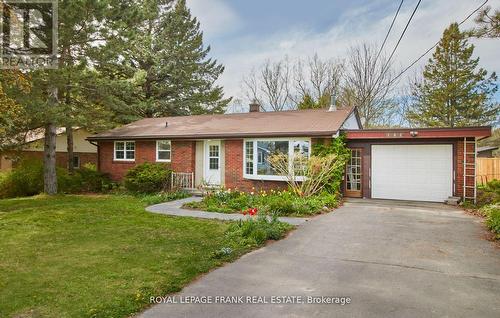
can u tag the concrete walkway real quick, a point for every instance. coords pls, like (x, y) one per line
(391, 259)
(174, 208)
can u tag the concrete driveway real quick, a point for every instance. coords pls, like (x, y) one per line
(392, 259)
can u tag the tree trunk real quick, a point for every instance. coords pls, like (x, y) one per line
(69, 139)
(49, 150)
(49, 160)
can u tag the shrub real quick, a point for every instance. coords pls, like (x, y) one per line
(151, 199)
(91, 180)
(256, 231)
(27, 179)
(286, 205)
(279, 206)
(492, 214)
(147, 178)
(223, 252)
(316, 170)
(488, 193)
(337, 147)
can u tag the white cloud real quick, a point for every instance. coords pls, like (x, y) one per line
(215, 16)
(355, 26)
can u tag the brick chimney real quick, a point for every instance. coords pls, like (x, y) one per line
(254, 106)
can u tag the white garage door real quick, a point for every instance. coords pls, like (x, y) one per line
(412, 172)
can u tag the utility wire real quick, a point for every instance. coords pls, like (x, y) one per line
(401, 37)
(432, 47)
(386, 65)
(389, 31)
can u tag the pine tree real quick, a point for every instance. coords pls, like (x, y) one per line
(307, 102)
(13, 117)
(65, 96)
(454, 92)
(487, 24)
(165, 64)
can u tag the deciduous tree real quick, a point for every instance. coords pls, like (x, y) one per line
(369, 84)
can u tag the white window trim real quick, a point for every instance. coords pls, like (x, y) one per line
(157, 151)
(124, 151)
(255, 176)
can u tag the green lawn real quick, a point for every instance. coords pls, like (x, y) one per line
(97, 256)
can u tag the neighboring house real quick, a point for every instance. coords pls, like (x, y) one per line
(83, 151)
(486, 151)
(230, 150)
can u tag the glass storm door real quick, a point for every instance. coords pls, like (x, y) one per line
(353, 174)
(212, 169)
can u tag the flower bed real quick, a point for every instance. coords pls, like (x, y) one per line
(279, 203)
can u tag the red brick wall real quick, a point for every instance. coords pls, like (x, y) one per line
(183, 160)
(117, 169)
(234, 171)
(183, 157)
(469, 181)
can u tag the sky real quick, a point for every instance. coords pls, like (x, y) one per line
(244, 34)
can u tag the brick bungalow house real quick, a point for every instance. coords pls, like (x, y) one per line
(83, 151)
(230, 150)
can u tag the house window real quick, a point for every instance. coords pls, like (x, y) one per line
(265, 149)
(260, 157)
(76, 162)
(213, 157)
(249, 157)
(300, 156)
(163, 150)
(258, 151)
(125, 150)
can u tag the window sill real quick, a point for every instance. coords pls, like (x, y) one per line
(271, 178)
(123, 160)
(163, 161)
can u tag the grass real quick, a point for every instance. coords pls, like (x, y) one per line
(98, 256)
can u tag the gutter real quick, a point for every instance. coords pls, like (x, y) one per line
(325, 134)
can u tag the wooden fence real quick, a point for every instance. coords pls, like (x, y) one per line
(487, 169)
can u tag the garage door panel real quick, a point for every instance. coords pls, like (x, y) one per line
(412, 172)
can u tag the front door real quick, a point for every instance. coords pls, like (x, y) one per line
(212, 169)
(354, 175)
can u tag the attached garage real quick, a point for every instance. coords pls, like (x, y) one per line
(426, 164)
(412, 172)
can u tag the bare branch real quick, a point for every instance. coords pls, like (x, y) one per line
(369, 84)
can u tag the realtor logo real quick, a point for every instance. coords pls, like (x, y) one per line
(28, 32)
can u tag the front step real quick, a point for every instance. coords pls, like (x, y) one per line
(195, 192)
(453, 200)
(201, 191)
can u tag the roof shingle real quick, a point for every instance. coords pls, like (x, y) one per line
(317, 122)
